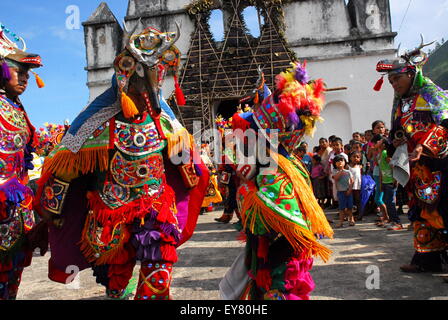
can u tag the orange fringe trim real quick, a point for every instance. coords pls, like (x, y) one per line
(310, 207)
(301, 240)
(85, 161)
(164, 204)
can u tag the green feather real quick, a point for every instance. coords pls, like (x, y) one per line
(419, 80)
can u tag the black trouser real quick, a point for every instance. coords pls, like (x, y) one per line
(430, 261)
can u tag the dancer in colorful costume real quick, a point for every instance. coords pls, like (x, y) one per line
(122, 186)
(212, 195)
(228, 181)
(281, 218)
(17, 222)
(420, 123)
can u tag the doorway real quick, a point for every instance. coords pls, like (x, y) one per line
(226, 108)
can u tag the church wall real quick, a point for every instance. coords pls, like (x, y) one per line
(364, 104)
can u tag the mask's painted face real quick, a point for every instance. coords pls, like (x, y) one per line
(142, 66)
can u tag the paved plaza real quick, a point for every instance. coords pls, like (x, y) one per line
(364, 265)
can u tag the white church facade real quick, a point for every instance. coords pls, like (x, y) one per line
(341, 41)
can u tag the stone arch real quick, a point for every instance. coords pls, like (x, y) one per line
(337, 121)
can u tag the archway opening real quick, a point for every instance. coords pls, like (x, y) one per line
(227, 108)
(253, 21)
(216, 24)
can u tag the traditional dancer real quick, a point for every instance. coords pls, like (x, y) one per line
(420, 120)
(122, 186)
(212, 195)
(17, 223)
(281, 218)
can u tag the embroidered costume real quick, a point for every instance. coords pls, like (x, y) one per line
(17, 140)
(281, 218)
(421, 117)
(122, 187)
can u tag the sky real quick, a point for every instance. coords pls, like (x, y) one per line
(44, 27)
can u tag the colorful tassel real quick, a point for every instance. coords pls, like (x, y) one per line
(419, 80)
(379, 84)
(40, 83)
(180, 98)
(128, 106)
(239, 123)
(264, 279)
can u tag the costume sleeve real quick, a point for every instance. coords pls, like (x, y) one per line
(434, 138)
(62, 166)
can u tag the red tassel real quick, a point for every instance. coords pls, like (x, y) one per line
(378, 84)
(180, 98)
(264, 279)
(262, 250)
(239, 123)
(106, 235)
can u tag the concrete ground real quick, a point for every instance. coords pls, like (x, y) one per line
(364, 266)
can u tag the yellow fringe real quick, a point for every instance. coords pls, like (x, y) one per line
(301, 240)
(84, 161)
(128, 106)
(179, 141)
(310, 207)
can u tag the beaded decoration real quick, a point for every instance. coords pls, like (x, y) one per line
(138, 172)
(137, 140)
(429, 192)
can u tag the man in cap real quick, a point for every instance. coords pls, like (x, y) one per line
(420, 120)
(17, 222)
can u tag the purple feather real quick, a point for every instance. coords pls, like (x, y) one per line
(301, 74)
(4, 72)
(294, 118)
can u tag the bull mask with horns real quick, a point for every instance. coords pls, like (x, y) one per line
(143, 64)
(413, 60)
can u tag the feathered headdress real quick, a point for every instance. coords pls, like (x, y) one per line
(293, 109)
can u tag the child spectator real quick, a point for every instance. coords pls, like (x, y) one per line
(377, 154)
(388, 187)
(356, 136)
(357, 147)
(304, 157)
(347, 149)
(368, 135)
(318, 179)
(355, 168)
(338, 149)
(324, 153)
(344, 185)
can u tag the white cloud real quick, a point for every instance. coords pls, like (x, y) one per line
(421, 18)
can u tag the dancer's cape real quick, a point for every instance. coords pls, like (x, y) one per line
(79, 155)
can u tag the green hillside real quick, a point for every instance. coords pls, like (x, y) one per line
(437, 66)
